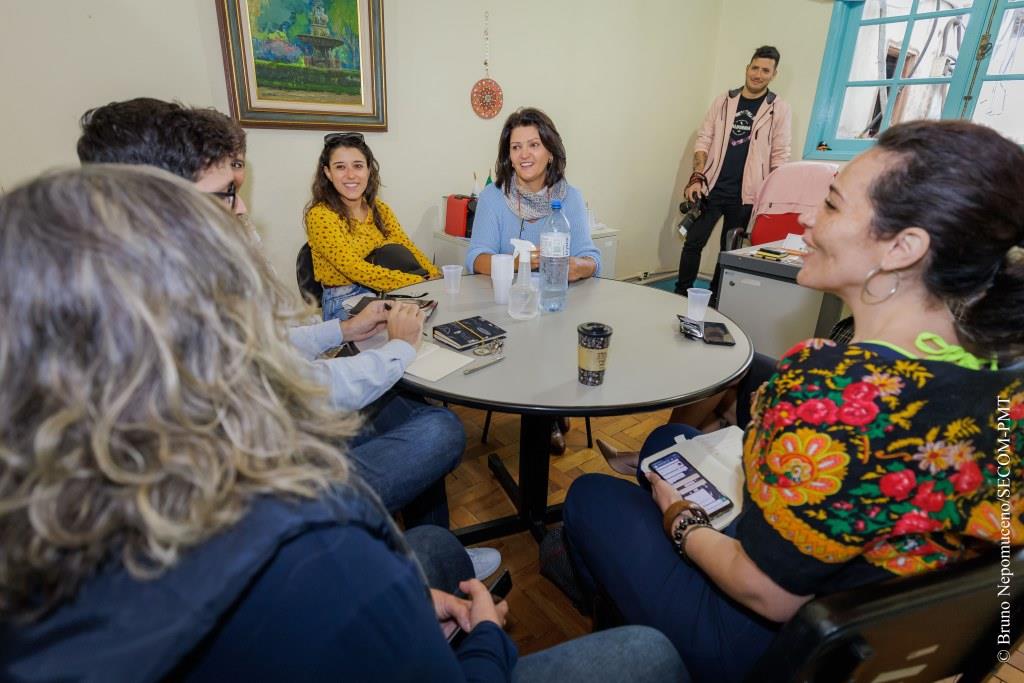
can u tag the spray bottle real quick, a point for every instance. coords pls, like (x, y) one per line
(524, 296)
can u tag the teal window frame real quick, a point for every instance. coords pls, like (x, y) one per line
(964, 85)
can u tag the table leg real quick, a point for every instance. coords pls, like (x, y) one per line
(530, 495)
(534, 458)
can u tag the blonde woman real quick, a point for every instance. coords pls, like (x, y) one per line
(172, 501)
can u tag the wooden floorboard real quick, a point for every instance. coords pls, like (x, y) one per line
(540, 616)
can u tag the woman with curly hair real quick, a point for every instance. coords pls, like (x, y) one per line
(874, 459)
(347, 225)
(173, 502)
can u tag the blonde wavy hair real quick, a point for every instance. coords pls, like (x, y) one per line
(147, 389)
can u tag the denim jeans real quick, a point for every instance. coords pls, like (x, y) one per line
(333, 297)
(629, 653)
(404, 453)
(615, 539)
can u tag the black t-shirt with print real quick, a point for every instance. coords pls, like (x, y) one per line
(730, 180)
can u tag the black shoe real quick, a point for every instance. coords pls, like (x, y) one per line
(557, 439)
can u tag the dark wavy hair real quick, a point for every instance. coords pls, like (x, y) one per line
(324, 191)
(549, 137)
(145, 131)
(964, 184)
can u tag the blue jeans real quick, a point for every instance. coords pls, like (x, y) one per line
(616, 541)
(404, 453)
(333, 297)
(630, 653)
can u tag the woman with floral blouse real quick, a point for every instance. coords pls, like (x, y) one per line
(888, 456)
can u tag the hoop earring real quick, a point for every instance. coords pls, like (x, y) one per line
(865, 290)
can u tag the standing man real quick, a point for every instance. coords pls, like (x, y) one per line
(745, 136)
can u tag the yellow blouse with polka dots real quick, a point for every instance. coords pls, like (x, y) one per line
(340, 249)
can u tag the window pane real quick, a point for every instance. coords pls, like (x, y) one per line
(999, 106)
(1008, 55)
(878, 48)
(874, 9)
(862, 112)
(934, 47)
(919, 102)
(926, 6)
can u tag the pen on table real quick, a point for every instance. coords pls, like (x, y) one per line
(484, 364)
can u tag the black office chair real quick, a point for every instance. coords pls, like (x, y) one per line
(308, 286)
(920, 628)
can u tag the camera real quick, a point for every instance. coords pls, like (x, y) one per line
(692, 211)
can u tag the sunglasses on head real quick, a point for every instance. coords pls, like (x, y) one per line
(331, 138)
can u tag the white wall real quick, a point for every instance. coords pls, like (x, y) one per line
(626, 83)
(798, 28)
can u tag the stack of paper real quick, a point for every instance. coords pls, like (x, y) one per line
(432, 362)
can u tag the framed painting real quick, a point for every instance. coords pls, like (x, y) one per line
(305, 63)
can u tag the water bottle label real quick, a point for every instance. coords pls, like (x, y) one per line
(555, 244)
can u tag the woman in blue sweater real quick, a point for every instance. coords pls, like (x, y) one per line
(530, 173)
(173, 502)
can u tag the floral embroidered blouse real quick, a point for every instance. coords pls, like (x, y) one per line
(862, 464)
(340, 250)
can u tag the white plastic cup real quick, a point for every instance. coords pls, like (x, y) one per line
(501, 287)
(697, 303)
(452, 278)
(501, 267)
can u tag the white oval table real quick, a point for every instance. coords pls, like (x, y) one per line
(650, 366)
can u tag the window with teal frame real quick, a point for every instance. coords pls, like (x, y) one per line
(889, 61)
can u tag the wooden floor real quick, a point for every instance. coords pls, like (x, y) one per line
(539, 614)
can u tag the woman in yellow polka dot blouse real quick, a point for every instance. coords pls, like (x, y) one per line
(345, 222)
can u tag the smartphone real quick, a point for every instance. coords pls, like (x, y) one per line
(499, 590)
(691, 484)
(718, 334)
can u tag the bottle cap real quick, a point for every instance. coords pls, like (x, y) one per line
(556, 203)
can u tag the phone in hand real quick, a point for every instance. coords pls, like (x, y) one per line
(499, 590)
(691, 484)
(718, 334)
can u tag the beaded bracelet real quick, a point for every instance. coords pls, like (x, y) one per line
(683, 530)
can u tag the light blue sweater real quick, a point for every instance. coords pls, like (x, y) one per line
(495, 224)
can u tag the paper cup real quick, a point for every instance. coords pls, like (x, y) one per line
(697, 303)
(594, 340)
(452, 278)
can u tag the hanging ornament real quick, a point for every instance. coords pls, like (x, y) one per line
(486, 96)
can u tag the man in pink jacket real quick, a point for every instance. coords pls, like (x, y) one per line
(745, 136)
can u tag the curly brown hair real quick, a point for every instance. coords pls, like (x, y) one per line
(147, 388)
(323, 189)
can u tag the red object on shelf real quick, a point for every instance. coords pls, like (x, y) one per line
(769, 227)
(458, 215)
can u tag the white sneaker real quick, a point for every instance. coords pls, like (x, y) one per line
(485, 561)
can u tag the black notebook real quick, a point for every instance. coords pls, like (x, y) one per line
(467, 333)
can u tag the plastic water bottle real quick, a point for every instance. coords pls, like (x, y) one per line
(554, 259)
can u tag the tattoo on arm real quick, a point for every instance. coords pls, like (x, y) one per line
(699, 159)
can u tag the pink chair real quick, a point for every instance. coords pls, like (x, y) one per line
(787, 192)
